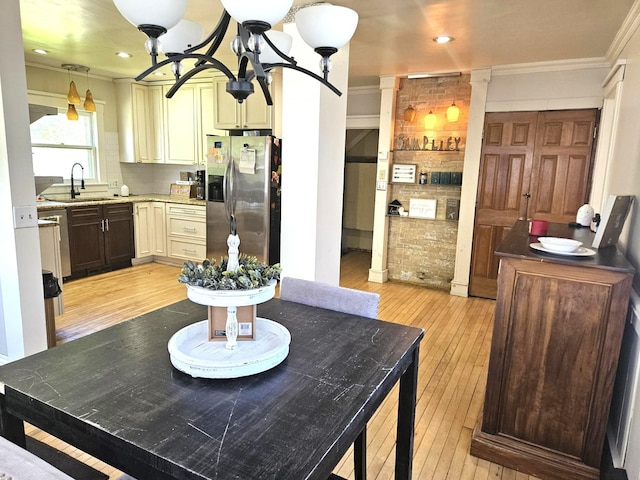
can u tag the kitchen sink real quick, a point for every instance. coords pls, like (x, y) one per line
(83, 199)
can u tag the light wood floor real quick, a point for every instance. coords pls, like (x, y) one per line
(452, 372)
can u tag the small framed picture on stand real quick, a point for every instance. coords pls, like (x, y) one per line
(613, 217)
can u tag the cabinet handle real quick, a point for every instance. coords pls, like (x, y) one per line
(107, 224)
(102, 224)
(188, 250)
(190, 229)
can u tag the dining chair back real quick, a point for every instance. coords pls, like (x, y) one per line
(339, 299)
(331, 297)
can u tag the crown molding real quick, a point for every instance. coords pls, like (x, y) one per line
(626, 31)
(554, 66)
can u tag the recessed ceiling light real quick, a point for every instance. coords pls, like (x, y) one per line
(160, 74)
(443, 39)
(40, 51)
(124, 55)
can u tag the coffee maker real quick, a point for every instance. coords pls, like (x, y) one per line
(200, 184)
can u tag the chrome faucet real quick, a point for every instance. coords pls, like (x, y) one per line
(74, 194)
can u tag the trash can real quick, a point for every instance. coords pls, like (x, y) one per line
(51, 290)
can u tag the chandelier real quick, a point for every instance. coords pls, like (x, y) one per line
(258, 49)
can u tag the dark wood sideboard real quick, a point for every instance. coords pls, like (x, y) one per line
(557, 332)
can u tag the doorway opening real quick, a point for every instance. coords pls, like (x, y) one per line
(361, 156)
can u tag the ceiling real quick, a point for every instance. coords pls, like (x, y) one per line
(394, 37)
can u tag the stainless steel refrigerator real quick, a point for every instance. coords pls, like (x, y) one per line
(243, 178)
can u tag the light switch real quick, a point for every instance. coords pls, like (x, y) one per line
(25, 217)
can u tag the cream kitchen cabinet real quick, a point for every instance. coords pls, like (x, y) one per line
(150, 230)
(140, 122)
(186, 232)
(188, 118)
(252, 114)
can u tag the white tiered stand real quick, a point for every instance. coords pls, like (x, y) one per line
(192, 352)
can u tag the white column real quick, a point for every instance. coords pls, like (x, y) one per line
(479, 86)
(313, 150)
(22, 320)
(379, 272)
(605, 150)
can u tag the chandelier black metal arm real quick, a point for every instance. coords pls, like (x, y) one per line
(215, 37)
(217, 64)
(248, 55)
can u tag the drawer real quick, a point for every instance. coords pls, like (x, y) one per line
(179, 209)
(186, 250)
(186, 227)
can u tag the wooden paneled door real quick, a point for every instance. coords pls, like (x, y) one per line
(533, 165)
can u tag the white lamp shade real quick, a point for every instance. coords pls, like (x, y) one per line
(163, 13)
(326, 25)
(282, 41)
(185, 34)
(271, 12)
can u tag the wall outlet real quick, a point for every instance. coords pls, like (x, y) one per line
(25, 217)
(113, 183)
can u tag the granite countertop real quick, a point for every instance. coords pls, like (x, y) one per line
(151, 197)
(516, 245)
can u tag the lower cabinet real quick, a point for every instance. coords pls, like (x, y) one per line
(186, 232)
(150, 230)
(100, 237)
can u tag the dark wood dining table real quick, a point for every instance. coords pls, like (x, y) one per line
(115, 395)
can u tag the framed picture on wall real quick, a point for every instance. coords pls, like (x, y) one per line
(422, 208)
(403, 173)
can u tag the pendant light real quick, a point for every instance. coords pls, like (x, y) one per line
(72, 96)
(453, 112)
(89, 105)
(72, 113)
(409, 114)
(430, 120)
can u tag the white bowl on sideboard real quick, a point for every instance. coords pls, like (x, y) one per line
(556, 244)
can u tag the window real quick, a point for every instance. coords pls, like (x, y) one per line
(57, 143)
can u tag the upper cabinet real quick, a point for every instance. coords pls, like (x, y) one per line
(180, 122)
(252, 114)
(140, 123)
(156, 129)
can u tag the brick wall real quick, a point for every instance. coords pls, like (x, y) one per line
(422, 251)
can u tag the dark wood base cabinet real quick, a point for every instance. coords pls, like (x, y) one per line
(556, 339)
(100, 238)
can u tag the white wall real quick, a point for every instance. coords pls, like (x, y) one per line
(624, 168)
(623, 178)
(547, 86)
(22, 303)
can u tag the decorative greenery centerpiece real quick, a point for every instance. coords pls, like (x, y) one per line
(249, 274)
